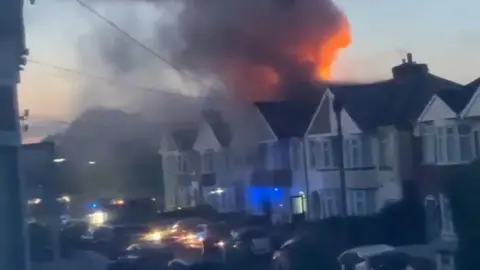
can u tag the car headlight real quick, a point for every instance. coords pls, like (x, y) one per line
(154, 236)
(220, 244)
(98, 218)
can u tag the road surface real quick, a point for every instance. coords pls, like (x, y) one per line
(81, 260)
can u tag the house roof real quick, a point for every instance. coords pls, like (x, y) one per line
(398, 101)
(457, 99)
(290, 117)
(219, 126)
(184, 138)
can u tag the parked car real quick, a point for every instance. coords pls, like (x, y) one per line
(248, 246)
(113, 240)
(144, 256)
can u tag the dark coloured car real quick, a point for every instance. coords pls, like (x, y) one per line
(145, 256)
(250, 246)
(112, 240)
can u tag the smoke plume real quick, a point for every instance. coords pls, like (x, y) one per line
(253, 46)
(250, 46)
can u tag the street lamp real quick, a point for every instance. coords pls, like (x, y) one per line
(59, 160)
(92, 162)
(337, 108)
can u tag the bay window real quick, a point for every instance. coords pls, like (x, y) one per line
(361, 202)
(384, 156)
(280, 154)
(330, 202)
(183, 164)
(313, 150)
(357, 152)
(455, 144)
(466, 143)
(296, 153)
(208, 162)
(322, 154)
(327, 158)
(429, 143)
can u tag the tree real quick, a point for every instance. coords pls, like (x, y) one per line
(463, 190)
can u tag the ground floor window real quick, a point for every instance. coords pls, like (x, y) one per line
(445, 261)
(330, 202)
(361, 202)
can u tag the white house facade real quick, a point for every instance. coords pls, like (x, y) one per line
(370, 161)
(180, 164)
(449, 131)
(378, 121)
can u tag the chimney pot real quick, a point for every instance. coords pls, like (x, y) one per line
(409, 58)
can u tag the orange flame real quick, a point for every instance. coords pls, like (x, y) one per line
(323, 56)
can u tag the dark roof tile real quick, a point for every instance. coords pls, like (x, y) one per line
(219, 126)
(457, 99)
(398, 101)
(288, 119)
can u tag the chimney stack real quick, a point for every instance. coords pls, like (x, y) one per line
(410, 58)
(409, 69)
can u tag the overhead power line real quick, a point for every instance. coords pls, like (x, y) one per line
(107, 80)
(136, 41)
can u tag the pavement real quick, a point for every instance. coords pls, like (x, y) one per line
(81, 260)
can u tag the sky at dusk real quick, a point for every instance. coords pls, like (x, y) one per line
(441, 33)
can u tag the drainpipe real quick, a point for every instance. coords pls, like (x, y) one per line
(307, 181)
(337, 108)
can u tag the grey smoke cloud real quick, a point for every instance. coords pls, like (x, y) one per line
(241, 43)
(240, 40)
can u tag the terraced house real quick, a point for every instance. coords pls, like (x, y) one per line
(449, 130)
(378, 121)
(180, 163)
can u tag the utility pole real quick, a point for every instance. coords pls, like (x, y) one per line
(13, 232)
(337, 108)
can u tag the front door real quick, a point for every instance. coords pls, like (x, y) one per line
(298, 208)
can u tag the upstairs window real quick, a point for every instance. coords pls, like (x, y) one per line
(313, 153)
(183, 164)
(466, 143)
(296, 153)
(357, 152)
(384, 153)
(455, 144)
(208, 162)
(262, 158)
(321, 154)
(327, 154)
(429, 142)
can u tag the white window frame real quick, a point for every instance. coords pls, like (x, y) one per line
(326, 150)
(313, 153)
(350, 159)
(296, 154)
(279, 153)
(358, 203)
(443, 148)
(384, 153)
(429, 144)
(184, 165)
(446, 212)
(329, 201)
